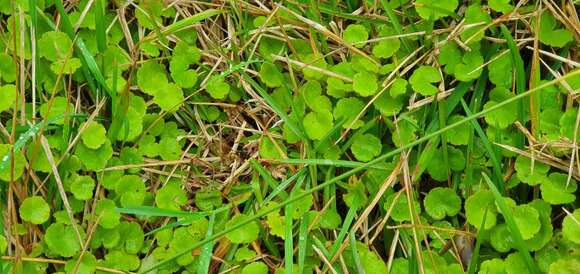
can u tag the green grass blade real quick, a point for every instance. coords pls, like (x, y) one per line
(207, 249)
(302, 242)
(520, 76)
(289, 240)
(488, 148)
(512, 227)
(481, 234)
(355, 254)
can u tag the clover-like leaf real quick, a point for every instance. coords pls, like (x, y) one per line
(131, 189)
(356, 34)
(247, 233)
(7, 68)
(317, 124)
(171, 196)
(565, 265)
(271, 150)
(504, 116)
(183, 57)
(302, 206)
(477, 205)
(86, 264)
(208, 200)
(460, 134)
(476, 15)
(94, 159)
(502, 6)
(94, 135)
(7, 97)
(441, 202)
(492, 266)
(311, 92)
(348, 109)
(244, 254)
(217, 87)
(398, 88)
(59, 107)
(531, 175)
(550, 35)
(107, 214)
(169, 98)
(400, 211)
(271, 75)
(356, 196)
(62, 240)
(3, 244)
(386, 48)
(544, 235)
(365, 147)
(437, 165)
(433, 10)
(255, 268)
(557, 191)
(450, 56)
(19, 163)
(568, 124)
(314, 60)
(34, 209)
(470, 66)
(82, 187)
(527, 219)
(55, 46)
(571, 226)
(501, 63)
(66, 66)
(151, 77)
(515, 264)
(276, 224)
(365, 84)
(423, 78)
(389, 105)
(501, 238)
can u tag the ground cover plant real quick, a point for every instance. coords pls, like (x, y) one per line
(254, 137)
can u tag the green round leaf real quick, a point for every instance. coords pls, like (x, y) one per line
(62, 240)
(441, 202)
(531, 175)
(19, 163)
(270, 75)
(365, 147)
(7, 97)
(217, 87)
(557, 191)
(365, 84)
(107, 214)
(571, 226)
(94, 135)
(433, 10)
(82, 187)
(255, 268)
(423, 78)
(356, 34)
(35, 210)
(317, 124)
(477, 205)
(244, 234)
(527, 220)
(94, 159)
(171, 196)
(58, 109)
(348, 109)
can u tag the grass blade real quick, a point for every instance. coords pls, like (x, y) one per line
(207, 250)
(511, 224)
